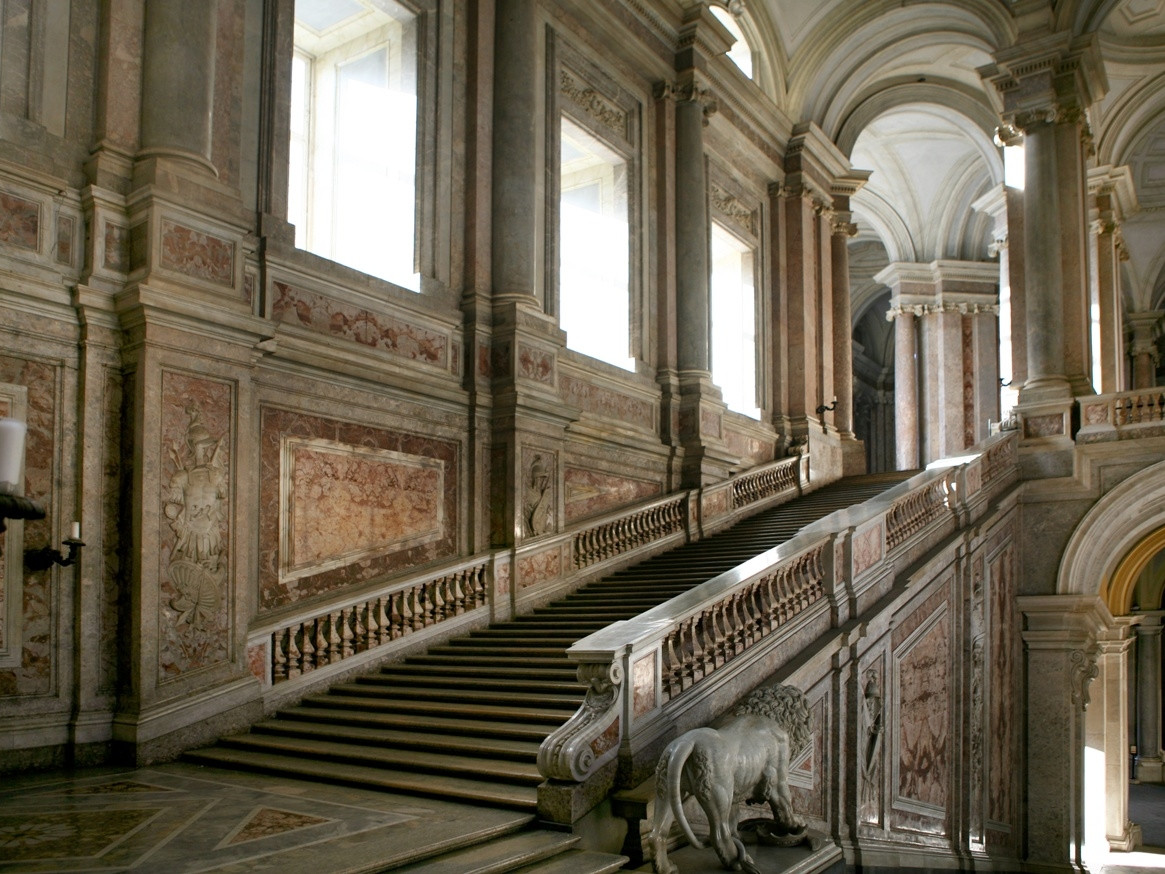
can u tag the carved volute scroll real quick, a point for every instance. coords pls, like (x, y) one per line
(591, 737)
(1084, 671)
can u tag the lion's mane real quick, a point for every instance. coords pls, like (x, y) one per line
(784, 705)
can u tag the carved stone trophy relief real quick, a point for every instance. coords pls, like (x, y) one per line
(871, 727)
(538, 494)
(195, 506)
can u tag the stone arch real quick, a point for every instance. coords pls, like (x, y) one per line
(1115, 540)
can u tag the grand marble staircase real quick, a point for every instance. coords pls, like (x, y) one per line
(464, 720)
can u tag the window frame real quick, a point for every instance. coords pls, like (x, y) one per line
(589, 98)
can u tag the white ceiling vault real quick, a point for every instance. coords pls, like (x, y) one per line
(895, 84)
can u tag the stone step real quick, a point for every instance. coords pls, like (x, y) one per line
(498, 856)
(488, 792)
(559, 673)
(433, 763)
(576, 862)
(549, 654)
(455, 656)
(419, 722)
(529, 697)
(477, 712)
(500, 684)
(520, 750)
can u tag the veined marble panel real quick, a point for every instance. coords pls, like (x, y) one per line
(1000, 782)
(348, 322)
(807, 771)
(748, 446)
(601, 401)
(343, 503)
(197, 254)
(19, 221)
(592, 493)
(13, 404)
(372, 467)
(32, 672)
(922, 761)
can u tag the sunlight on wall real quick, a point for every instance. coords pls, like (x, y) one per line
(734, 321)
(594, 248)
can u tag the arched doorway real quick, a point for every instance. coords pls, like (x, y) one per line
(1106, 557)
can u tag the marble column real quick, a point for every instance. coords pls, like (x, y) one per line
(1150, 767)
(843, 228)
(995, 205)
(519, 153)
(906, 442)
(1144, 327)
(1046, 81)
(178, 79)
(1112, 197)
(1060, 655)
(693, 303)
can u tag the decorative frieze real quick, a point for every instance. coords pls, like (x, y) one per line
(728, 207)
(596, 106)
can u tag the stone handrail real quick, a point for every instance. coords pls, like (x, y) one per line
(618, 533)
(328, 634)
(690, 648)
(298, 642)
(1121, 415)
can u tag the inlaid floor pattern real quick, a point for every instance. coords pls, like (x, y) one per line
(464, 720)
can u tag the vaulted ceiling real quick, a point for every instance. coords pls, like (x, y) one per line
(896, 84)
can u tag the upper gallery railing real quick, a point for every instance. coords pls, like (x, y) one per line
(690, 647)
(359, 626)
(1121, 416)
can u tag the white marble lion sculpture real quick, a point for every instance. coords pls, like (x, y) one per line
(745, 760)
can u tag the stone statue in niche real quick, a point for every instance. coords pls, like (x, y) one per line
(746, 760)
(871, 746)
(195, 505)
(539, 512)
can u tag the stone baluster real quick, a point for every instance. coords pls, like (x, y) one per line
(1145, 327)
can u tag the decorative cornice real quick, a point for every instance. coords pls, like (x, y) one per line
(599, 108)
(732, 209)
(965, 308)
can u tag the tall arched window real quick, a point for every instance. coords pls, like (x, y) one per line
(741, 52)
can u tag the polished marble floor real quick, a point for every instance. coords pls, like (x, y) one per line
(180, 818)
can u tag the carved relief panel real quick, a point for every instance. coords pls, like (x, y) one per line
(539, 492)
(194, 558)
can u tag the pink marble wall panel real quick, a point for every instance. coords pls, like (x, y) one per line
(1043, 426)
(484, 362)
(111, 471)
(194, 555)
(257, 663)
(924, 704)
(502, 579)
(607, 740)
(643, 685)
(351, 502)
(810, 770)
(748, 446)
(709, 423)
(1000, 753)
(536, 364)
(715, 504)
(605, 402)
(278, 424)
(591, 493)
(228, 99)
(249, 288)
(66, 228)
(36, 671)
(198, 254)
(19, 221)
(376, 330)
(539, 567)
(968, 382)
(1095, 414)
(116, 256)
(867, 548)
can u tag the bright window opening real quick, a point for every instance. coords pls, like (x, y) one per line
(1013, 172)
(741, 52)
(734, 321)
(353, 155)
(594, 248)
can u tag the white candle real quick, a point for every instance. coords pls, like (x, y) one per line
(12, 433)
(75, 534)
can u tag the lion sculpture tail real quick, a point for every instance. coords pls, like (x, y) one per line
(670, 773)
